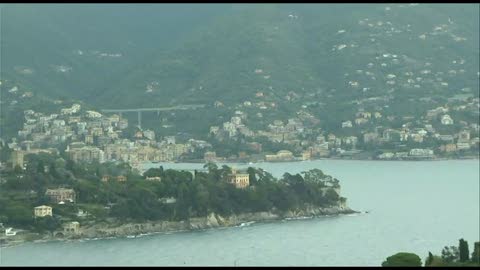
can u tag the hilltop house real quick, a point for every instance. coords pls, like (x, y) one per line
(43, 211)
(61, 195)
(446, 120)
(153, 178)
(240, 180)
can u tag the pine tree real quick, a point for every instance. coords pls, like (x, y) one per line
(463, 248)
(476, 253)
(429, 260)
(40, 167)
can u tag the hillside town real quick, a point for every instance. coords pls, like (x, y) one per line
(90, 136)
(86, 135)
(367, 135)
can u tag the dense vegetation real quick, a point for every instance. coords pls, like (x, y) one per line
(451, 256)
(141, 200)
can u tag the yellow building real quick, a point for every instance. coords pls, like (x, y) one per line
(240, 180)
(451, 147)
(105, 178)
(306, 155)
(282, 155)
(209, 156)
(43, 211)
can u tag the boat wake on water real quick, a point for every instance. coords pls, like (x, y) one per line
(297, 218)
(246, 224)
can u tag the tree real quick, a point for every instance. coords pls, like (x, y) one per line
(429, 260)
(314, 175)
(17, 170)
(40, 167)
(201, 199)
(265, 176)
(476, 253)
(225, 172)
(212, 167)
(403, 259)
(331, 196)
(434, 260)
(18, 213)
(53, 171)
(463, 248)
(152, 172)
(182, 207)
(46, 224)
(213, 170)
(252, 176)
(450, 254)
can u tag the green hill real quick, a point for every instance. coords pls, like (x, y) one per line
(334, 57)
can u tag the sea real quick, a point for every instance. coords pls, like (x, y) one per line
(406, 206)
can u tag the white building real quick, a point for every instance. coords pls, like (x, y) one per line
(347, 124)
(446, 120)
(418, 152)
(149, 134)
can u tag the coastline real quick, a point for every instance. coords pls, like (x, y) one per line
(102, 231)
(318, 159)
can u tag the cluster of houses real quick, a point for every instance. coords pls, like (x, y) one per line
(59, 196)
(463, 137)
(278, 131)
(232, 128)
(90, 136)
(364, 128)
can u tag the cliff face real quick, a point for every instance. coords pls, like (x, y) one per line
(211, 221)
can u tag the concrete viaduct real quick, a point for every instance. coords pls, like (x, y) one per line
(158, 110)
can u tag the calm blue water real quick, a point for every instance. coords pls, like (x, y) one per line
(414, 207)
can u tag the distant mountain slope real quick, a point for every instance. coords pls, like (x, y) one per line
(400, 59)
(78, 50)
(295, 47)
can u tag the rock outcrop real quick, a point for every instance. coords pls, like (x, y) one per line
(213, 220)
(118, 229)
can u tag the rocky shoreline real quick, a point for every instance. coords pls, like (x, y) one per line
(117, 229)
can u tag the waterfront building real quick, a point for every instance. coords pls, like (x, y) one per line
(71, 227)
(209, 156)
(282, 155)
